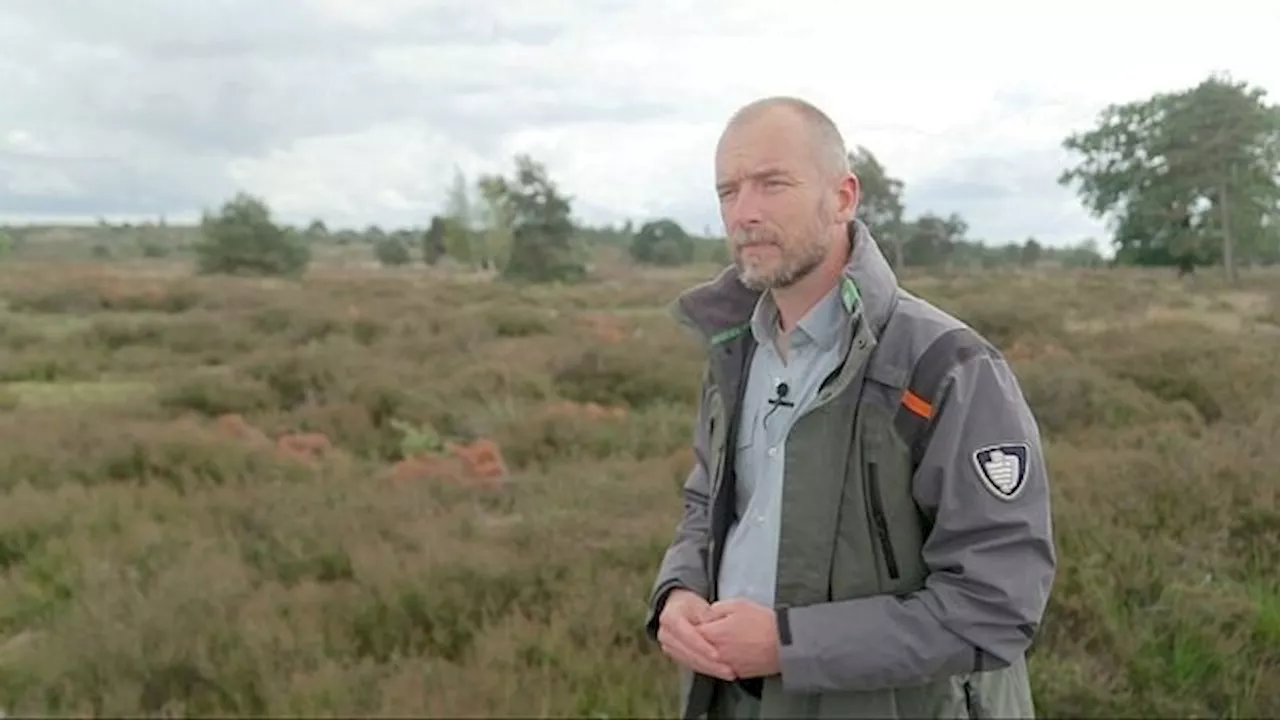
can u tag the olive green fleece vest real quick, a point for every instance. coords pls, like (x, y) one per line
(850, 525)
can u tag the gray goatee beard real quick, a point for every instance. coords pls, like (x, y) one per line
(797, 263)
(784, 278)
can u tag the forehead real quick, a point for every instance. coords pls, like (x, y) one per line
(772, 140)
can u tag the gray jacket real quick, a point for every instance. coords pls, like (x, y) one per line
(916, 556)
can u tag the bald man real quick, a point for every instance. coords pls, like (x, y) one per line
(867, 530)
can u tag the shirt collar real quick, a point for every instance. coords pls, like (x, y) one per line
(820, 325)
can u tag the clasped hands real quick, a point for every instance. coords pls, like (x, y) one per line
(730, 639)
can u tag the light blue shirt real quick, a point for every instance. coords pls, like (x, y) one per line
(749, 565)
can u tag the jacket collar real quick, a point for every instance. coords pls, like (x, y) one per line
(720, 309)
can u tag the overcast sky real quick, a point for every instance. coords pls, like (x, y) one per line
(357, 111)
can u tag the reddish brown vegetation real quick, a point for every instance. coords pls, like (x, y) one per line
(606, 328)
(583, 410)
(234, 425)
(479, 464)
(306, 447)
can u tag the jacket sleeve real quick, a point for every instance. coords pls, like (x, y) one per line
(685, 563)
(990, 555)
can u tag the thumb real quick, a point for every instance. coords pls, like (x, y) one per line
(692, 607)
(720, 610)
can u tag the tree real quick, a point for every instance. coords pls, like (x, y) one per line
(392, 251)
(461, 241)
(662, 242)
(881, 205)
(931, 239)
(542, 248)
(242, 239)
(1186, 178)
(1084, 254)
(495, 234)
(1030, 252)
(433, 240)
(317, 231)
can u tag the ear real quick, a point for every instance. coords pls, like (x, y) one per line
(848, 196)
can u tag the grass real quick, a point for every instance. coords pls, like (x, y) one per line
(72, 394)
(164, 550)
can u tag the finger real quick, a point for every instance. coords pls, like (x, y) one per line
(692, 638)
(718, 630)
(704, 614)
(720, 610)
(682, 654)
(696, 615)
(664, 636)
(681, 639)
(685, 644)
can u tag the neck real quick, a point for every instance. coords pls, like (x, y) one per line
(795, 300)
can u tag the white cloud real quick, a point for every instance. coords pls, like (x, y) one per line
(22, 141)
(926, 85)
(388, 174)
(968, 103)
(623, 170)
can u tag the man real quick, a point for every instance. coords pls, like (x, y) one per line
(866, 531)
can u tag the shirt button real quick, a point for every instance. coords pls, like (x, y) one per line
(773, 451)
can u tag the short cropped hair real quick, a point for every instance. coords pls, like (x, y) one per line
(828, 144)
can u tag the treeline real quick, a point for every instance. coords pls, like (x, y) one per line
(1186, 179)
(520, 227)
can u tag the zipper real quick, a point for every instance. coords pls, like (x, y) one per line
(970, 703)
(882, 525)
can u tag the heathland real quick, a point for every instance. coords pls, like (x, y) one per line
(410, 492)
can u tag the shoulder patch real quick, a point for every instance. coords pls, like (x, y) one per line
(1003, 468)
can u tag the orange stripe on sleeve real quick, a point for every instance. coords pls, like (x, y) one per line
(917, 404)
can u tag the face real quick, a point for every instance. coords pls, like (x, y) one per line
(778, 207)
